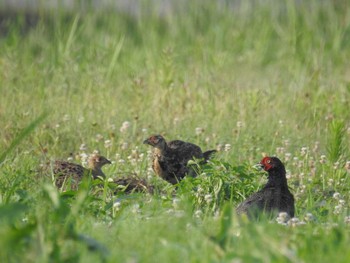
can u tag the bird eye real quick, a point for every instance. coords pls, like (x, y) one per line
(268, 161)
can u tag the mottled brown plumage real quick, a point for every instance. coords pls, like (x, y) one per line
(67, 173)
(170, 159)
(274, 196)
(132, 184)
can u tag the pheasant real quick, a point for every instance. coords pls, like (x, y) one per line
(170, 159)
(274, 196)
(133, 184)
(66, 171)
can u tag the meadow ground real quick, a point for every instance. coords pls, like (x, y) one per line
(248, 79)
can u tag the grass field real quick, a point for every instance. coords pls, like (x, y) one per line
(251, 79)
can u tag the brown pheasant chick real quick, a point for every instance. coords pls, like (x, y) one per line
(170, 159)
(95, 163)
(66, 172)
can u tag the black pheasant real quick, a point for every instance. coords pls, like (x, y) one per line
(67, 173)
(170, 159)
(274, 196)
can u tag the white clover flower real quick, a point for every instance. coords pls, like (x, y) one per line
(219, 147)
(176, 120)
(283, 215)
(83, 147)
(199, 130)
(342, 202)
(124, 145)
(84, 158)
(149, 154)
(179, 213)
(287, 156)
(99, 137)
(280, 150)
(81, 119)
(227, 147)
(280, 122)
(112, 127)
(288, 174)
(239, 124)
(108, 144)
(336, 165)
(57, 126)
(117, 204)
(293, 222)
(176, 202)
(198, 213)
(200, 190)
(144, 130)
(330, 182)
(323, 159)
(347, 220)
(286, 142)
(336, 196)
(125, 126)
(311, 162)
(309, 217)
(303, 151)
(66, 118)
(70, 159)
(280, 222)
(347, 166)
(300, 164)
(136, 209)
(216, 215)
(282, 218)
(208, 198)
(337, 209)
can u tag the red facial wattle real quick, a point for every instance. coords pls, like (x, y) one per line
(266, 163)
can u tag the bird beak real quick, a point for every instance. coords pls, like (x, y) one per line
(258, 166)
(146, 142)
(109, 162)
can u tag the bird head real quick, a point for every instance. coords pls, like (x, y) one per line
(271, 163)
(97, 161)
(156, 141)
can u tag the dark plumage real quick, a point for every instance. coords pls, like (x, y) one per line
(274, 196)
(170, 159)
(67, 173)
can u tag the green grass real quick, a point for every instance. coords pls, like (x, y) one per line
(269, 77)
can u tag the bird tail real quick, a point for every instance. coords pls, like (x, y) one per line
(207, 155)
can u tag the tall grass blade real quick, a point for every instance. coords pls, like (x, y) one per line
(71, 36)
(23, 134)
(117, 49)
(335, 145)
